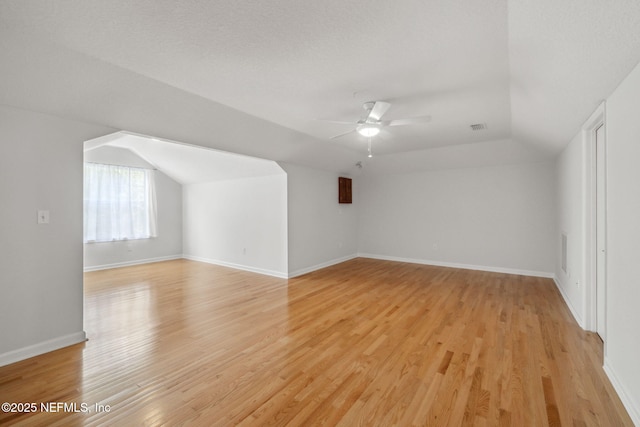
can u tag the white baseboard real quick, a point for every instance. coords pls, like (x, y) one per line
(463, 266)
(306, 270)
(130, 263)
(633, 408)
(567, 301)
(273, 273)
(41, 348)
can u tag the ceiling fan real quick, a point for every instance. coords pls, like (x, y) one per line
(371, 123)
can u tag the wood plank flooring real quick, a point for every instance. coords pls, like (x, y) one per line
(366, 342)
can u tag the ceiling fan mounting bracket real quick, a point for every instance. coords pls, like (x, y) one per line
(368, 106)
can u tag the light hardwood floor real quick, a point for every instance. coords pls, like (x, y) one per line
(365, 342)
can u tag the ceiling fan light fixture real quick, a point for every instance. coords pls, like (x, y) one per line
(368, 130)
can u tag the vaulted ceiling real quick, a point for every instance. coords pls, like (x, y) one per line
(262, 78)
(186, 164)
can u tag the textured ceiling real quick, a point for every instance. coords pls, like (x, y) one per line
(532, 71)
(566, 57)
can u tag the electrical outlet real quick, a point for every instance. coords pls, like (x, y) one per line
(244, 251)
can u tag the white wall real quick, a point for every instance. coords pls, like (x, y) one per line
(496, 218)
(108, 155)
(571, 206)
(321, 231)
(622, 348)
(168, 243)
(240, 223)
(40, 265)
(622, 345)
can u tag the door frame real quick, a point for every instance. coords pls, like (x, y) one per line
(597, 119)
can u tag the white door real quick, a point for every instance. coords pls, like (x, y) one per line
(600, 233)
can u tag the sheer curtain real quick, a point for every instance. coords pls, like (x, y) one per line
(119, 203)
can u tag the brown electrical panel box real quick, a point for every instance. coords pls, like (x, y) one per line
(344, 190)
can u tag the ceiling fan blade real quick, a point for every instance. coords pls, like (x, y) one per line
(409, 121)
(343, 134)
(339, 122)
(385, 136)
(378, 110)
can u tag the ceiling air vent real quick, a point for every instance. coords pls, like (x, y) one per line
(479, 126)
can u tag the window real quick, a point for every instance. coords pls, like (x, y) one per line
(119, 203)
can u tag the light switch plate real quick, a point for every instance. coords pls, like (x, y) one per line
(43, 217)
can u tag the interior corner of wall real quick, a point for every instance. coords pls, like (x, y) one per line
(283, 166)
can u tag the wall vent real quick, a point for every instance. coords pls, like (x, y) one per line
(479, 126)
